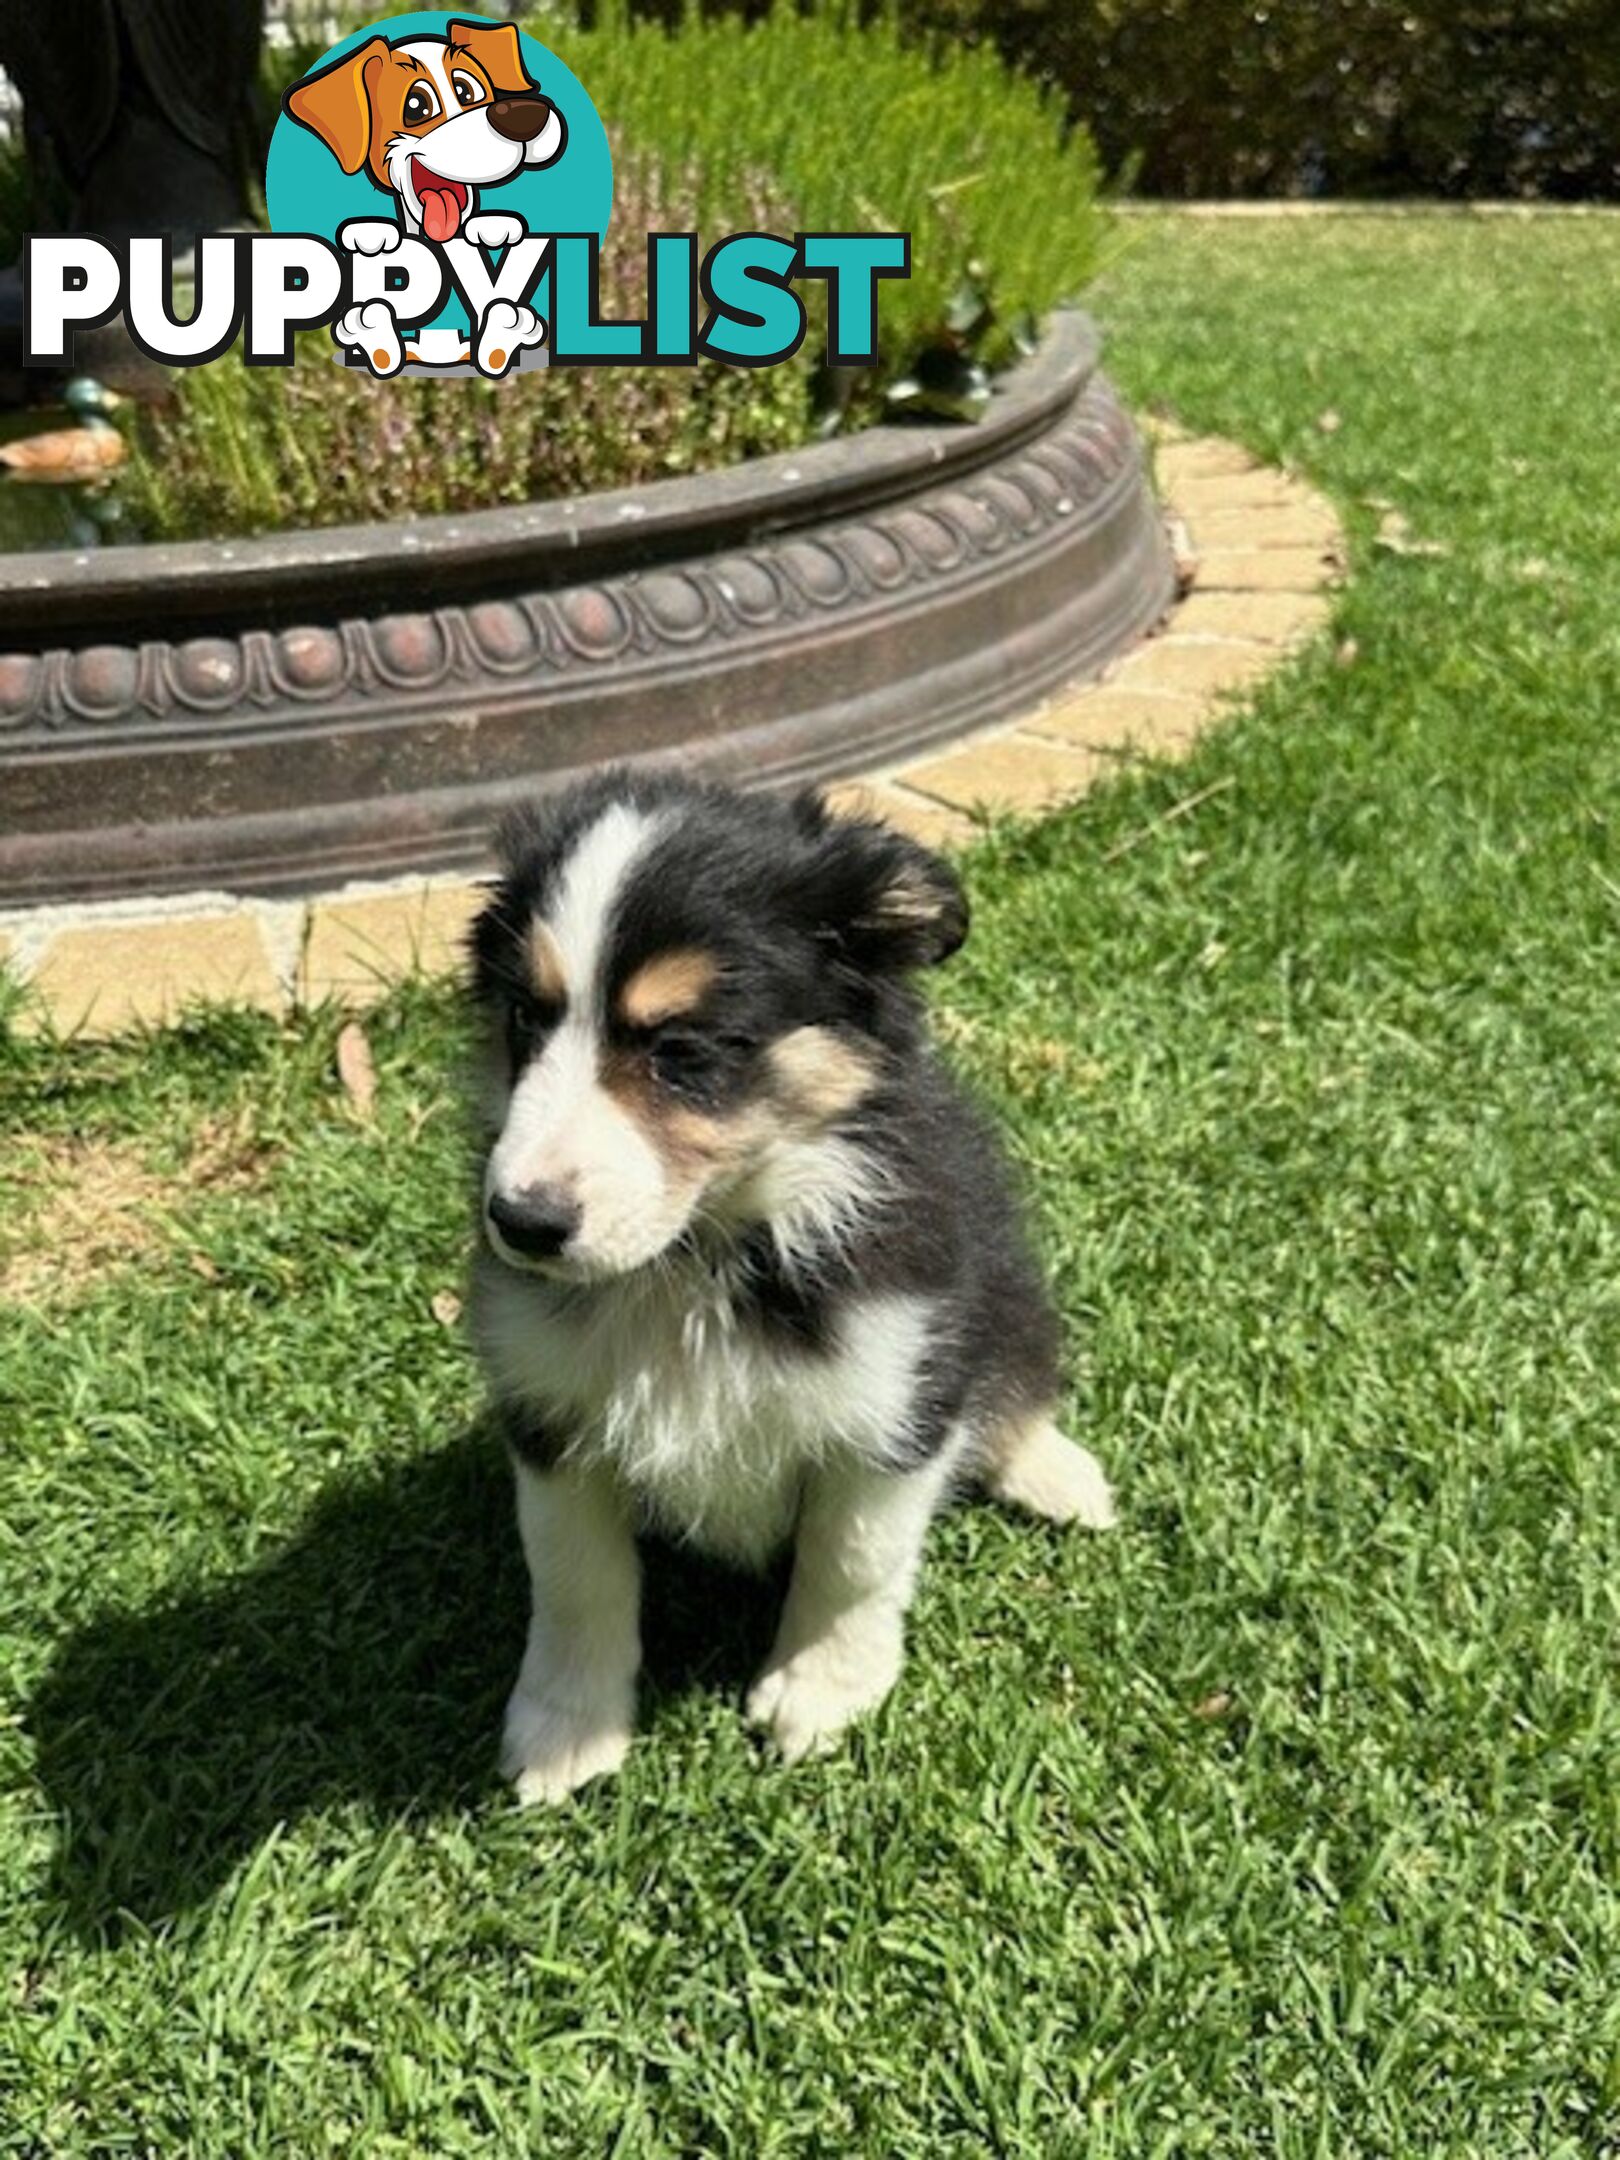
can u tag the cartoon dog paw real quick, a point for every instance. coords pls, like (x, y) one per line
(369, 236)
(372, 330)
(495, 229)
(506, 328)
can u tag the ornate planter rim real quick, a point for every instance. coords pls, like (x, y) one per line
(286, 714)
(319, 573)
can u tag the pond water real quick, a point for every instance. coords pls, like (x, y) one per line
(37, 514)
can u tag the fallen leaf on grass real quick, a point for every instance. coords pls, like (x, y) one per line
(1395, 537)
(445, 1307)
(1183, 555)
(356, 1070)
(1213, 1706)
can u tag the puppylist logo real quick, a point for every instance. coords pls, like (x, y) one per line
(438, 189)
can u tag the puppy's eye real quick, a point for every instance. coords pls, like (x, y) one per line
(706, 1064)
(420, 104)
(468, 92)
(526, 1023)
(682, 1061)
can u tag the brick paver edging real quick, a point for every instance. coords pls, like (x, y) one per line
(1261, 552)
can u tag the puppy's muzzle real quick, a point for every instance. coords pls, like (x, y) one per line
(536, 1222)
(519, 119)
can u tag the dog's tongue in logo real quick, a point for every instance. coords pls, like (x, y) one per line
(443, 202)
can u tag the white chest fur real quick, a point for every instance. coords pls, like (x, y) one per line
(710, 1425)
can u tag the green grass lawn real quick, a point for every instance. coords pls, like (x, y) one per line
(1285, 1822)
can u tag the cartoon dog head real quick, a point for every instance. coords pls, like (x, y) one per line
(432, 119)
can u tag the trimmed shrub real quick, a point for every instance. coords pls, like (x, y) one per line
(262, 449)
(846, 128)
(864, 131)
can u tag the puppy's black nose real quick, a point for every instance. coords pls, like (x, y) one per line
(537, 1222)
(519, 119)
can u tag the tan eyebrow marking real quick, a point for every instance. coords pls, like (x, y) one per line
(820, 1075)
(669, 984)
(546, 965)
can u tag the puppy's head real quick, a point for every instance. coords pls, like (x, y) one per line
(432, 118)
(687, 992)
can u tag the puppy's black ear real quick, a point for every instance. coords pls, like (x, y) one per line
(890, 904)
(528, 835)
(527, 842)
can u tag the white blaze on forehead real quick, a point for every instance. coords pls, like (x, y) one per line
(430, 55)
(593, 878)
(561, 1124)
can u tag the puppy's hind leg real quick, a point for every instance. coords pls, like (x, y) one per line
(1031, 1465)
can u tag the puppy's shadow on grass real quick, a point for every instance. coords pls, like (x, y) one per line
(368, 1659)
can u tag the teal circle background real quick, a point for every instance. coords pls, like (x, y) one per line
(307, 191)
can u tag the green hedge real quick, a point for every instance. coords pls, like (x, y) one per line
(1337, 97)
(1316, 97)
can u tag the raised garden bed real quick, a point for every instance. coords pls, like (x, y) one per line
(287, 713)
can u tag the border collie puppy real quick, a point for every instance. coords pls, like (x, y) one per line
(750, 1272)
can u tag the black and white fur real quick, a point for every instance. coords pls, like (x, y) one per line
(751, 1271)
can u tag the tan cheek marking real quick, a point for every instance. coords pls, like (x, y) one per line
(672, 983)
(707, 1144)
(546, 965)
(693, 1145)
(820, 1075)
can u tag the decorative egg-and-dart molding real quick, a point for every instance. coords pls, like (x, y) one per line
(925, 609)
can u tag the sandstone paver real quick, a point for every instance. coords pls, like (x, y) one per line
(1110, 718)
(1271, 618)
(1012, 772)
(1196, 667)
(358, 945)
(100, 978)
(1174, 463)
(1264, 525)
(1294, 569)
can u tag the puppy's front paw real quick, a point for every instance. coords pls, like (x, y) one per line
(495, 228)
(806, 1701)
(555, 1742)
(508, 326)
(371, 330)
(369, 236)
